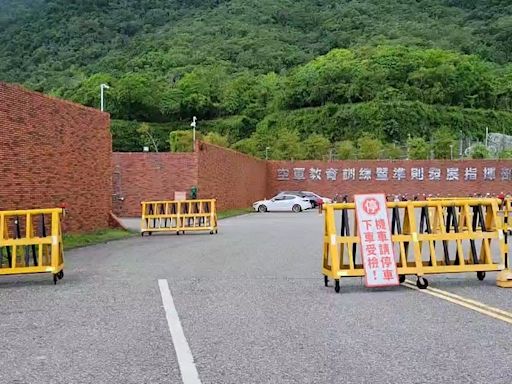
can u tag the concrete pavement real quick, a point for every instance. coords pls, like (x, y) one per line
(253, 309)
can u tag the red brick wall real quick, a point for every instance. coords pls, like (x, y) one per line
(234, 179)
(150, 176)
(329, 188)
(54, 152)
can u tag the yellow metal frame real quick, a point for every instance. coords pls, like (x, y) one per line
(506, 212)
(442, 222)
(179, 216)
(47, 250)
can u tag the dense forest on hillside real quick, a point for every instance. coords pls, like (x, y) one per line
(302, 77)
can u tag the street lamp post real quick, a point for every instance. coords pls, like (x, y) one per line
(102, 97)
(266, 153)
(193, 125)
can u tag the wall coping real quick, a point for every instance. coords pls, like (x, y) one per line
(21, 88)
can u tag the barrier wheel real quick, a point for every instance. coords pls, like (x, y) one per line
(326, 281)
(55, 279)
(211, 232)
(422, 283)
(150, 233)
(60, 275)
(337, 286)
(216, 231)
(142, 234)
(480, 275)
(401, 278)
(177, 233)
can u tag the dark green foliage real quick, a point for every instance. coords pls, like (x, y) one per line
(345, 150)
(506, 154)
(261, 72)
(418, 148)
(431, 76)
(182, 141)
(480, 151)
(316, 146)
(390, 120)
(369, 147)
(443, 142)
(127, 138)
(234, 127)
(217, 139)
(248, 146)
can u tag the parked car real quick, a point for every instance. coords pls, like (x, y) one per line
(315, 199)
(283, 202)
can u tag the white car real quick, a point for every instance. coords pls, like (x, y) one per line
(325, 200)
(311, 196)
(283, 203)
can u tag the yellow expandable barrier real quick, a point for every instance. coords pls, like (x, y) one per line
(31, 242)
(506, 213)
(179, 216)
(504, 278)
(429, 237)
(438, 198)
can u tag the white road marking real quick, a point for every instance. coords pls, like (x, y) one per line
(186, 363)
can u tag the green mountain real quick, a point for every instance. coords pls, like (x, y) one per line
(255, 68)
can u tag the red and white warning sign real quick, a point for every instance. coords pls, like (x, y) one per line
(375, 237)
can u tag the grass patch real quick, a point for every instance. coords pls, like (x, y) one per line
(233, 212)
(76, 240)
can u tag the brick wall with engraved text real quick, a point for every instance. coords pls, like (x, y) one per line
(412, 177)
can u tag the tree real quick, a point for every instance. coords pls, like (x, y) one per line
(345, 150)
(248, 146)
(276, 62)
(392, 151)
(182, 140)
(138, 97)
(316, 147)
(480, 151)
(147, 135)
(369, 147)
(418, 148)
(88, 92)
(216, 139)
(506, 154)
(287, 146)
(442, 139)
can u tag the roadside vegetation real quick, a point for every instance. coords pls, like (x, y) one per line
(305, 79)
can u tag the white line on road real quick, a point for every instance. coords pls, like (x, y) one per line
(188, 369)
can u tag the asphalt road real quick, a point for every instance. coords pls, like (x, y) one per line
(253, 308)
